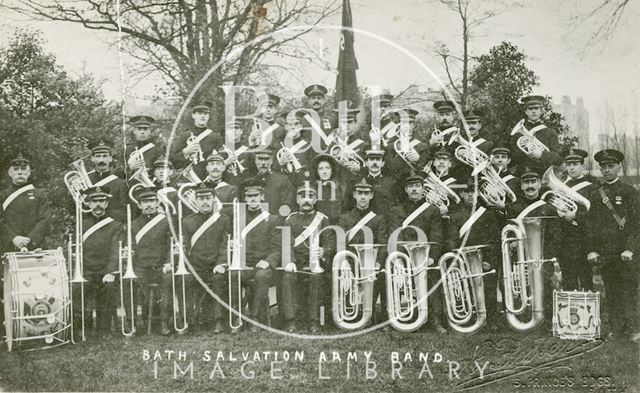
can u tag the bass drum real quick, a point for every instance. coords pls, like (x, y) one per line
(36, 299)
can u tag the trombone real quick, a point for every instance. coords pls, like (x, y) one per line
(77, 181)
(177, 249)
(236, 265)
(125, 254)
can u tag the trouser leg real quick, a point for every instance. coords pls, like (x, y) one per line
(219, 285)
(260, 301)
(286, 303)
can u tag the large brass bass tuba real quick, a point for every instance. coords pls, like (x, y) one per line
(523, 280)
(462, 282)
(352, 295)
(407, 289)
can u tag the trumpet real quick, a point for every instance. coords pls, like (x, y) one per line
(561, 196)
(197, 156)
(462, 282)
(125, 255)
(77, 181)
(179, 299)
(493, 190)
(236, 167)
(403, 147)
(437, 192)
(406, 277)
(528, 143)
(523, 280)
(352, 289)
(293, 165)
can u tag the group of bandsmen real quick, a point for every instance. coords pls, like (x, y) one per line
(288, 185)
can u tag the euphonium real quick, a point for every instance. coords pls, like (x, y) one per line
(462, 282)
(143, 180)
(437, 192)
(407, 291)
(523, 281)
(197, 156)
(469, 153)
(125, 255)
(446, 134)
(352, 289)
(561, 196)
(185, 191)
(293, 165)
(528, 143)
(493, 190)
(179, 299)
(343, 153)
(77, 181)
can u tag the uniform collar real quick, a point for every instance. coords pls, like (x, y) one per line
(612, 182)
(362, 212)
(310, 212)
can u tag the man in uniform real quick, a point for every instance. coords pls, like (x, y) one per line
(613, 230)
(414, 210)
(500, 160)
(224, 191)
(99, 258)
(151, 249)
(205, 239)
(262, 244)
(193, 146)
(237, 162)
(576, 271)
(365, 226)
(25, 210)
(316, 97)
(302, 277)
(474, 123)
(446, 118)
(278, 190)
(296, 150)
(143, 150)
(415, 153)
(538, 160)
(103, 176)
(271, 124)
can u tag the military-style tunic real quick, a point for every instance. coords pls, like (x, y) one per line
(549, 137)
(278, 191)
(208, 139)
(151, 151)
(25, 212)
(118, 188)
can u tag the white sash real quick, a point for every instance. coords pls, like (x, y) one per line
(147, 227)
(268, 132)
(261, 217)
(297, 146)
(581, 185)
(478, 142)
(202, 135)
(537, 128)
(106, 180)
(407, 221)
(507, 178)
(95, 227)
(354, 145)
(142, 150)
(449, 180)
(205, 225)
(363, 221)
(530, 208)
(221, 184)
(15, 194)
(313, 226)
(472, 220)
(166, 190)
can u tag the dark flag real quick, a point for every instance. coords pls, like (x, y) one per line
(346, 82)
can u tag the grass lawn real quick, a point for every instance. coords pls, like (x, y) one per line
(532, 362)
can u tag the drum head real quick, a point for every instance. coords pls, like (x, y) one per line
(8, 320)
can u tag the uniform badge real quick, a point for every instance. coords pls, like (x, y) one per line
(618, 200)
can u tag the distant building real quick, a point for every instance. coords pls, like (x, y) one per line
(577, 118)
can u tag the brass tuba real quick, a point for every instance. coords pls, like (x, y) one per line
(406, 277)
(493, 190)
(528, 143)
(523, 280)
(561, 196)
(352, 289)
(462, 282)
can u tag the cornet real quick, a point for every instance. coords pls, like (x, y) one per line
(236, 167)
(407, 291)
(528, 143)
(352, 289)
(125, 255)
(462, 282)
(402, 147)
(197, 156)
(561, 196)
(523, 280)
(342, 152)
(493, 190)
(293, 165)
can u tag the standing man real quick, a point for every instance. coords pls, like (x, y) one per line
(278, 190)
(143, 150)
(272, 122)
(405, 152)
(205, 239)
(25, 210)
(237, 162)
(103, 176)
(99, 258)
(317, 100)
(500, 160)
(462, 169)
(414, 210)
(446, 118)
(613, 230)
(224, 191)
(538, 160)
(576, 271)
(194, 145)
(302, 277)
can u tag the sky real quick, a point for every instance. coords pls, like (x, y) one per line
(548, 31)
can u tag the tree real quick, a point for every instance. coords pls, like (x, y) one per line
(48, 115)
(183, 39)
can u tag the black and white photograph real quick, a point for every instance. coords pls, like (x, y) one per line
(319, 195)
